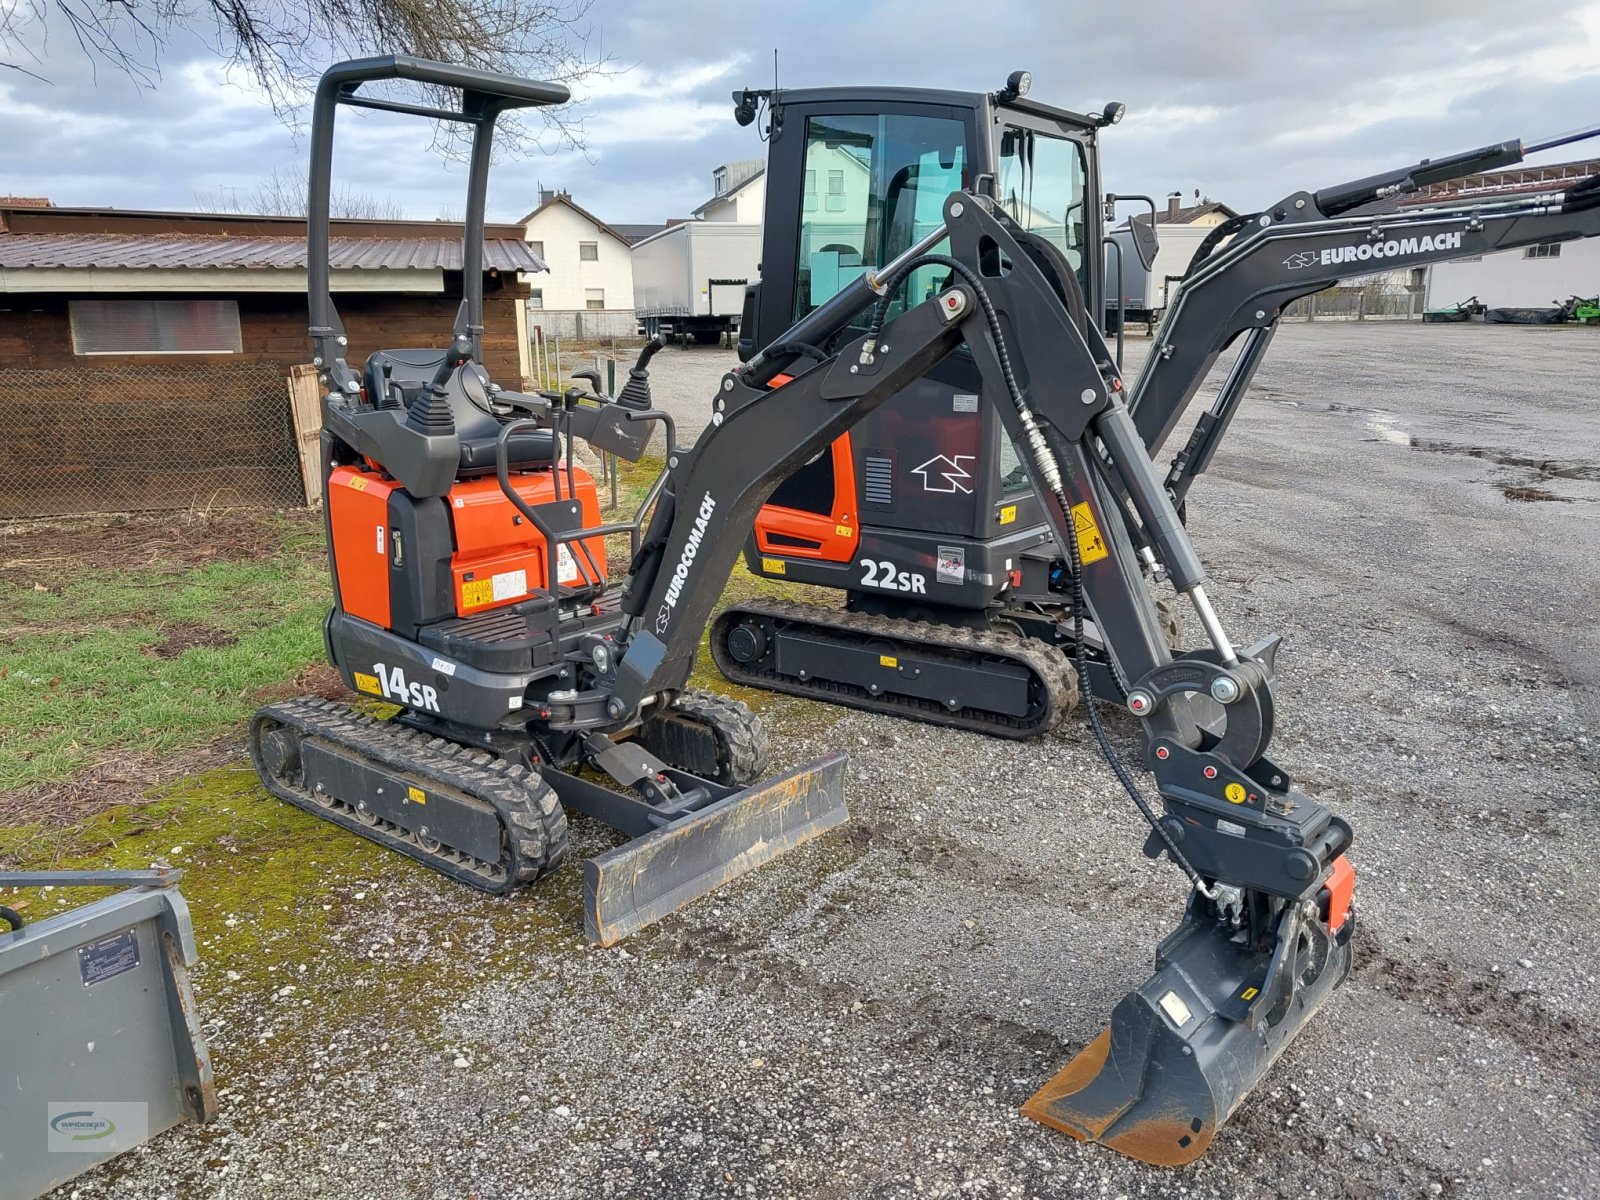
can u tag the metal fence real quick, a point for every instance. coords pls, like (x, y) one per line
(1353, 305)
(149, 437)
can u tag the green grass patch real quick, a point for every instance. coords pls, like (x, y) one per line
(157, 657)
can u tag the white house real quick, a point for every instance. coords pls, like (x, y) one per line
(739, 193)
(590, 270)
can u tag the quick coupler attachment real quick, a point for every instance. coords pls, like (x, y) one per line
(642, 881)
(1185, 1048)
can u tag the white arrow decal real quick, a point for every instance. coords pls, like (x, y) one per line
(949, 471)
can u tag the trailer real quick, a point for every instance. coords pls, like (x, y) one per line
(689, 280)
(1145, 293)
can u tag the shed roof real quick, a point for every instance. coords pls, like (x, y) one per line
(169, 251)
(49, 238)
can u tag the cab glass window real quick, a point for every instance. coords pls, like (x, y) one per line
(883, 181)
(1041, 185)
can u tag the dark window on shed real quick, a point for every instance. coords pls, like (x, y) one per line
(155, 327)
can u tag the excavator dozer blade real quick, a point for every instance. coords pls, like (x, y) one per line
(628, 888)
(1181, 1051)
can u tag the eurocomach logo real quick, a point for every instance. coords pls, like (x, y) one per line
(82, 1126)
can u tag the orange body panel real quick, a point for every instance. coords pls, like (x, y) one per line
(500, 557)
(1341, 887)
(358, 511)
(835, 533)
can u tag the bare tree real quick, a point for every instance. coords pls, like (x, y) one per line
(283, 194)
(285, 44)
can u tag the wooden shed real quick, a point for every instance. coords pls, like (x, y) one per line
(143, 355)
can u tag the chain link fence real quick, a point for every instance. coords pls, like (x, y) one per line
(148, 437)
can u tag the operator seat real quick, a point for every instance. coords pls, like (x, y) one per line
(395, 378)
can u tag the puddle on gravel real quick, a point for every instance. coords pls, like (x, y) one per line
(1527, 491)
(1387, 428)
(1546, 467)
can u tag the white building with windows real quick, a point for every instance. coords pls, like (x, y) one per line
(590, 271)
(1541, 276)
(738, 193)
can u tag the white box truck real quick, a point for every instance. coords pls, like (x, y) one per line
(1145, 294)
(689, 279)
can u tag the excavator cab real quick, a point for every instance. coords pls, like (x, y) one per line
(923, 511)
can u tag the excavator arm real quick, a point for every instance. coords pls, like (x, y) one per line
(1309, 241)
(1265, 936)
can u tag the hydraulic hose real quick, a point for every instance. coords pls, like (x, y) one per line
(1050, 471)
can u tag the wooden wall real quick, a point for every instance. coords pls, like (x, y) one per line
(35, 332)
(116, 433)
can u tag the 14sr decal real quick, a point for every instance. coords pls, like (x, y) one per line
(881, 573)
(392, 685)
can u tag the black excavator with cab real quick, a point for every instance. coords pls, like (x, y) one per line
(953, 600)
(505, 687)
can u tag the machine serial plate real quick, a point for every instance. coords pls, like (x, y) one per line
(109, 957)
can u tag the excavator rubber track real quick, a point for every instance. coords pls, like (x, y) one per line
(480, 820)
(1038, 679)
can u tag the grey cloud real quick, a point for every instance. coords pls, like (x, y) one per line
(1247, 76)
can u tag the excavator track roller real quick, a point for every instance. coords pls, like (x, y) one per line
(988, 681)
(478, 819)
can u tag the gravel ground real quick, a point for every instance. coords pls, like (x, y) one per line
(1413, 508)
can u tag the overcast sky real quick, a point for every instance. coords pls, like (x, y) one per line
(1245, 101)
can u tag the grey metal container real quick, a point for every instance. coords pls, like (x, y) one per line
(100, 1045)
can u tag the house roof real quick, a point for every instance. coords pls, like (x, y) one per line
(563, 198)
(638, 233)
(173, 251)
(1188, 216)
(730, 193)
(1512, 181)
(34, 237)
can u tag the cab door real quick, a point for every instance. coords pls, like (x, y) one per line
(853, 184)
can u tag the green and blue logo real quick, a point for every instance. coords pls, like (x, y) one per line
(83, 1126)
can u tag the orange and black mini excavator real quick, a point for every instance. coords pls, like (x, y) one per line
(470, 584)
(513, 666)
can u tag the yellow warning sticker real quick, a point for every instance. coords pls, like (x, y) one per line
(1091, 546)
(1235, 793)
(888, 660)
(1008, 514)
(1249, 993)
(368, 684)
(477, 593)
(359, 482)
(841, 530)
(774, 566)
(416, 795)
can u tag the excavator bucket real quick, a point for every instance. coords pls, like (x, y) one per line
(1186, 1047)
(642, 881)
